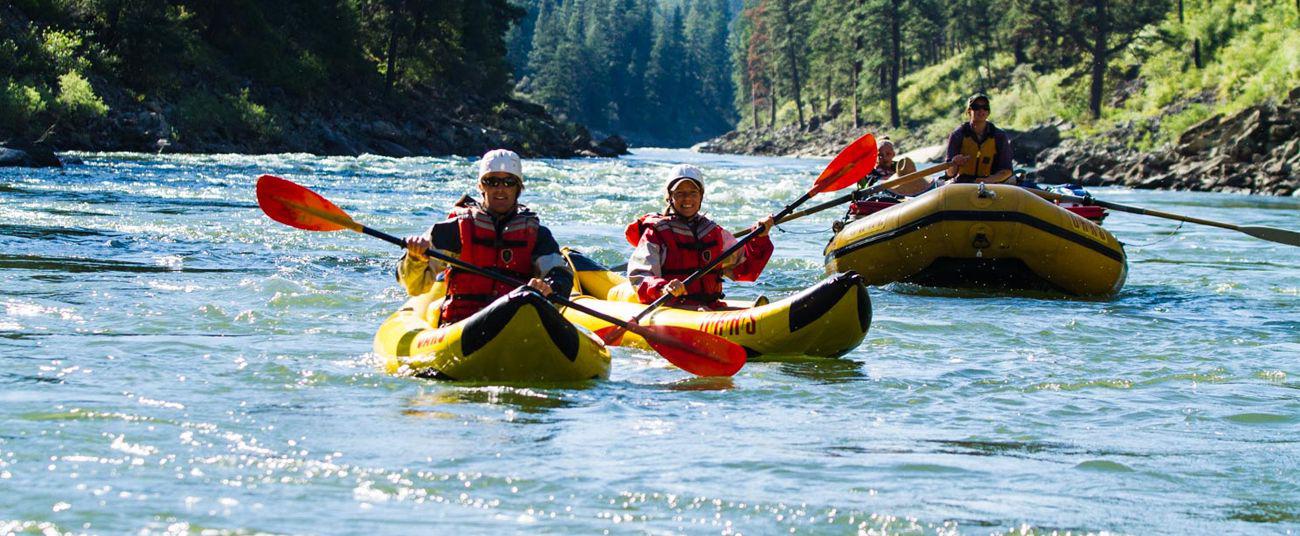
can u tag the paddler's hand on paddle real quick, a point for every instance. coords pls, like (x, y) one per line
(675, 287)
(764, 225)
(956, 163)
(540, 285)
(416, 246)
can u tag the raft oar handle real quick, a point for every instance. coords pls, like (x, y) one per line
(1272, 234)
(694, 351)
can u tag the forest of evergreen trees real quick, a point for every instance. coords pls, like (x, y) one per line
(810, 53)
(213, 63)
(657, 72)
(663, 72)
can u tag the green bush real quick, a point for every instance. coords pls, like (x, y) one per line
(233, 117)
(77, 100)
(19, 105)
(63, 49)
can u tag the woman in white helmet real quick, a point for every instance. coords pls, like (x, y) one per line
(674, 244)
(496, 233)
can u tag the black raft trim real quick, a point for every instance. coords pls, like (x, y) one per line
(978, 215)
(583, 263)
(812, 304)
(485, 325)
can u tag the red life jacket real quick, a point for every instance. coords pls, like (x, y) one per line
(509, 253)
(686, 252)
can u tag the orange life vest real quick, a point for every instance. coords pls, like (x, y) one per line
(686, 252)
(508, 250)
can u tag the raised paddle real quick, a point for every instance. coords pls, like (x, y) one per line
(897, 181)
(694, 351)
(847, 168)
(1272, 234)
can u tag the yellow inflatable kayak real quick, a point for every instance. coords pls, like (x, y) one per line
(518, 338)
(969, 235)
(826, 320)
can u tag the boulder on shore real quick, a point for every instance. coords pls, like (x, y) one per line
(23, 154)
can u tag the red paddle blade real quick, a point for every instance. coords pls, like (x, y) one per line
(850, 166)
(296, 206)
(612, 335)
(696, 352)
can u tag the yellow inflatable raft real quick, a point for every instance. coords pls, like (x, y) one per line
(969, 235)
(518, 338)
(826, 320)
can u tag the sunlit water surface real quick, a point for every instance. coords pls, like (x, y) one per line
(172, 360)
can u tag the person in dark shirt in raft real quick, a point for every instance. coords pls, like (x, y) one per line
(979, 150)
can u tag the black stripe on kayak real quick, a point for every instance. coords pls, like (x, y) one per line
(583, 263)
(814, 303)
(978, 215)
(404, 343)
(486, 324)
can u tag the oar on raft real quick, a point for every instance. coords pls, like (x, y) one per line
(1272, 234)
(697, 352)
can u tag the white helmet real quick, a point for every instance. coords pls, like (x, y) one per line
(683, 172)
(500, 160)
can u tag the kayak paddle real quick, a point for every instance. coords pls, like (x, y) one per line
(1272, 234)
(694, 351)
(847, 168)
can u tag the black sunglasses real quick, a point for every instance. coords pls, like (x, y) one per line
(984, 107)
(498, 182)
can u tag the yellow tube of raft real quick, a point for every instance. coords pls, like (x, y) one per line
(969, 235)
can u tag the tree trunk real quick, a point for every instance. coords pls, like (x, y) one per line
(895, 62)
(390, 71)
(1196, 53)
(854, 73)
(793, 59)
(771, 100)
(1180, 11)
(1100, 39)
(826, 105)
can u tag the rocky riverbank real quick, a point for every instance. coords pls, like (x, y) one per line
(466, 127)
(1256, 150)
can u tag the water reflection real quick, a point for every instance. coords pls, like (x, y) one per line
(534, 399)
(825, 371)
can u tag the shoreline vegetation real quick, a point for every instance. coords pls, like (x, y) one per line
(1172, 94)
(1189, 94)
(338, 78)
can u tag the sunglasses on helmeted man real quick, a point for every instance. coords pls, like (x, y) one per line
(984, 107)
(498, 182)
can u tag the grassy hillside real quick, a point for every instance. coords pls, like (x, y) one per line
(1250, 53)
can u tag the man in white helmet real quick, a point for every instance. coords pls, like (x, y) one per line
(496, 233)
(674, 244)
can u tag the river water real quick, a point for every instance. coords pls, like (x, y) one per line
(173, 361)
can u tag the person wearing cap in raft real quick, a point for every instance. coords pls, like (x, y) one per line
(673, 245)
(496, 233)
(978, 150)
(887, 168)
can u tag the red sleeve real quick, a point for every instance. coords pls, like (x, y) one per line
(757, 252)
(650, 289)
